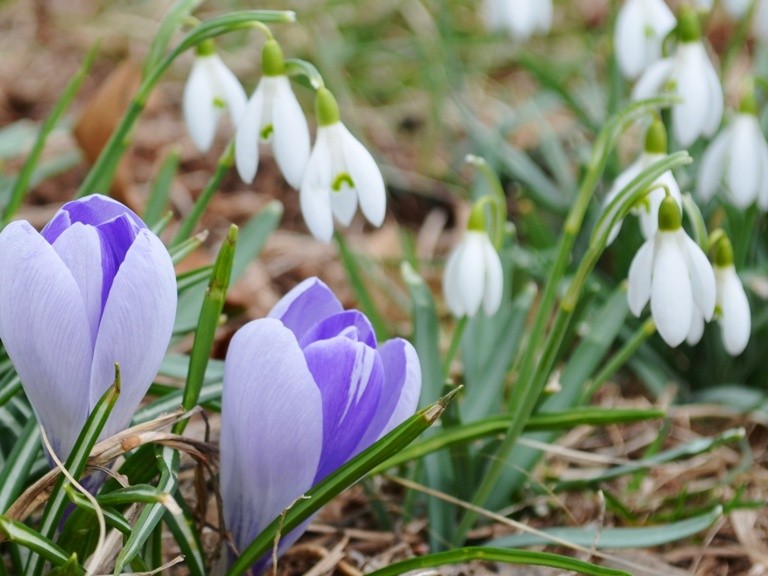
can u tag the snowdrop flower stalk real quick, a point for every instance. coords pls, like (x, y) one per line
(305, 390)
(732, 309)
(340, 173)
(648, 210)
(211, 88)
(521, 19)
(94, 288)
(641, 27)
(739, 158)
(690, 75)
(672, 271)
(273, 115)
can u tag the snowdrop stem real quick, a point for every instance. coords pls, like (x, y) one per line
(100, 176)
(297, 67)
(691, 210)
(458, 332)
(497, 200)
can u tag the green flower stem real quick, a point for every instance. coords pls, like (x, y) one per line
(627, 351)
(302, 68)
(100, 175)
(532, 375)
(225, 163)
(21, 184)
(458, 331)
(498, 200)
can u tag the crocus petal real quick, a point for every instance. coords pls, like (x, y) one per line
(702, 276)
(367, 177)
(671, 301)
(629, 39)
(350, 377)
(735, 319)
(95, 210)
(305, 305)
(45, 330)
(640, 271)
(494, 278)
(314, 194)
(135, 327)
(349, 323)
(277, 402)
(744, 156)
(200, 114)
(290, 140)
(653, 79)
(247, 137)
(713, 164)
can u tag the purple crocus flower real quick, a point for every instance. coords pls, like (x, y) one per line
(94, 288)
(305, 390)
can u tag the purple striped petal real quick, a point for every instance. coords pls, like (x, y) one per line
(350, 377)
(271, 437)
(135, 327)
(94, 210)
(44, 328)
(350, 324)
(306, 305)
(402, 387)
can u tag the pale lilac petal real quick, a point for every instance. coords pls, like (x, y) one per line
(290, 140)
(95, 210)
(671, 299)
(493, 280)
(200, 114)
(350, 377)
(640, 272)
(44, 328)
(272, 428)
(305, 305)
(248, 135)
(735, 319)
(743, 168)
(653, 79)
(367, 177)
(713, 164)
(702, 276)
(352, 324)
(135, 327)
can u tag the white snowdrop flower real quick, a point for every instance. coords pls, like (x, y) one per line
(521, 19)
(340, 173)
(690, 75)
(671, 270)
(641, 27)
(737, 8)
(273, 115)
(473, 275)
(739, 158)
(648, 208)
(210, 88)
(760, 22)
(732, 305)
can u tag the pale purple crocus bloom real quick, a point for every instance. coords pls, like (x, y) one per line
(305, 390)
(93, 289)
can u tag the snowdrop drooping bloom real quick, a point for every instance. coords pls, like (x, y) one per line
(305, 390)
(96, 287)
(732, 305)
(648, 209)
(739, 158)
(672, 271)
(641, 27)
(273, 114)
(521, 19)
(211, 87)
(760, 23)
(737, 8)
(690, 75)
(340, 173)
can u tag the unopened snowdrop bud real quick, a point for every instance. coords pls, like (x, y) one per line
(732, 305)
(641, 27)
(94, 288)
(672, 271)
(648, 208)
(690, 75)
(273, 115)
(340, 173)
(211, 88)
(473, 273)
(738, 157)
(521, 19)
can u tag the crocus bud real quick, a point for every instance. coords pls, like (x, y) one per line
(93, 289)
(305, 390)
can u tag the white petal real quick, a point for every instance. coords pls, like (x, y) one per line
(629, 38)
(290, 140)
(762, 195)
(713, 164)
(702, 276)
(451, 275)
(737, 8)
(248, 135)
(714, 97)
(344, 204)
(494, 278)
(649, 216)
(200, 114)
(690, 116)
(653, 79)
(671, 298)
(315, 191)
(228, 88)
(640, 273)
(696, 331)
(367, 177)
(472, 272)
(743, 168)
(735, 319)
